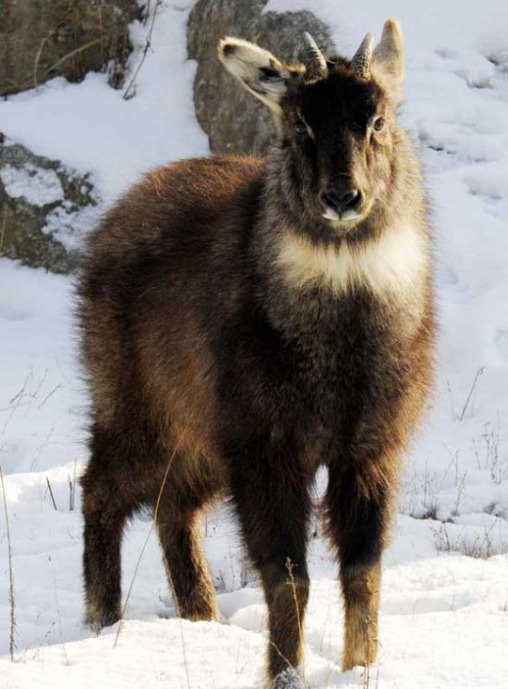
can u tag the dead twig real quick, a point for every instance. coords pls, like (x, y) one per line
(72, 490)
(136, 568)
(290, 567)
(15, 406)
(39, 450)
(366, 677)
(38, 56)
(49, 395)
(41, 48)
(51, 494)
(60, 628)
(12, 605)
(74, 52)
(16, 402)
(146, 12)
(71, 494)
(464, 408)
(130, 90)
(124, 610)
(2, 230)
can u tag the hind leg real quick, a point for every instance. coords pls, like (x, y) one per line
(178, 522)
(105, 509)
(104, 517)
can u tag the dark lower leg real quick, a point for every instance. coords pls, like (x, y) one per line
(286, 595)
(271, 495)
(357, 521)
(101, 564)
(105, 506)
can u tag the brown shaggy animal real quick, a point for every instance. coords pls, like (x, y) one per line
(246, 321)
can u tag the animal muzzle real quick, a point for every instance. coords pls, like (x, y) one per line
(342, 202)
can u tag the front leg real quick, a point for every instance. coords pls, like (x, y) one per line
(270, 490)
(357, 512)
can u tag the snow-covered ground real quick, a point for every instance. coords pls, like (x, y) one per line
(444, 619)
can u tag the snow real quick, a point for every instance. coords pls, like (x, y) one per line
(37, 186)
(444, 609)
(93, 128)
(70, 226)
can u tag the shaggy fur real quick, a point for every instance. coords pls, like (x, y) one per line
(229, 324)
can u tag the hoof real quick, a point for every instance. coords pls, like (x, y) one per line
(97, 620)
(288, 679)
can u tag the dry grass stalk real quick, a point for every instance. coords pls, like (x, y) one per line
(138, 562)
(130, 91)
(51, 494)
(72, 53)
(481, 546)
(466, 404)
(2, 229)
(57, 387)
(12, 602)
(289, 567)
(124, 610)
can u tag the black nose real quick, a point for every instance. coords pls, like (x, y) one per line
(342, 201)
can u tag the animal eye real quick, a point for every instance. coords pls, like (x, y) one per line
(300, 128)
(378, 123)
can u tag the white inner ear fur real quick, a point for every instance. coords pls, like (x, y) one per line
(245, 61)
(392, 264)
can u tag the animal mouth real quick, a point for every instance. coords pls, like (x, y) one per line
(347, 216)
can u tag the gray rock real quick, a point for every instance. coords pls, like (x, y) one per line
(45, 209)
(234, 121)
(41, 39)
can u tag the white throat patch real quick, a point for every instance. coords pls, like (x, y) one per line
(394, 262)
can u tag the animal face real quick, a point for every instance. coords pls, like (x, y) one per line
(336, 120)
(338, 132)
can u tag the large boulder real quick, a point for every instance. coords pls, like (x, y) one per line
(45, 209)
(41, 39)
(234, 121)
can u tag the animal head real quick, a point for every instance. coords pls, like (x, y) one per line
(336, 119)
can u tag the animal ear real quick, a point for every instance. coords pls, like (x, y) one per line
(388, 56)
(258, 70)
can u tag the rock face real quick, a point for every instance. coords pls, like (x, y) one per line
(45, 209)
(234, 121)
(41, 39)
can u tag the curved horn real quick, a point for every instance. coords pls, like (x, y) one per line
(360, 64)
(314, 60)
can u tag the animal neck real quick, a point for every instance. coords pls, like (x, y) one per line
(390, 264)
